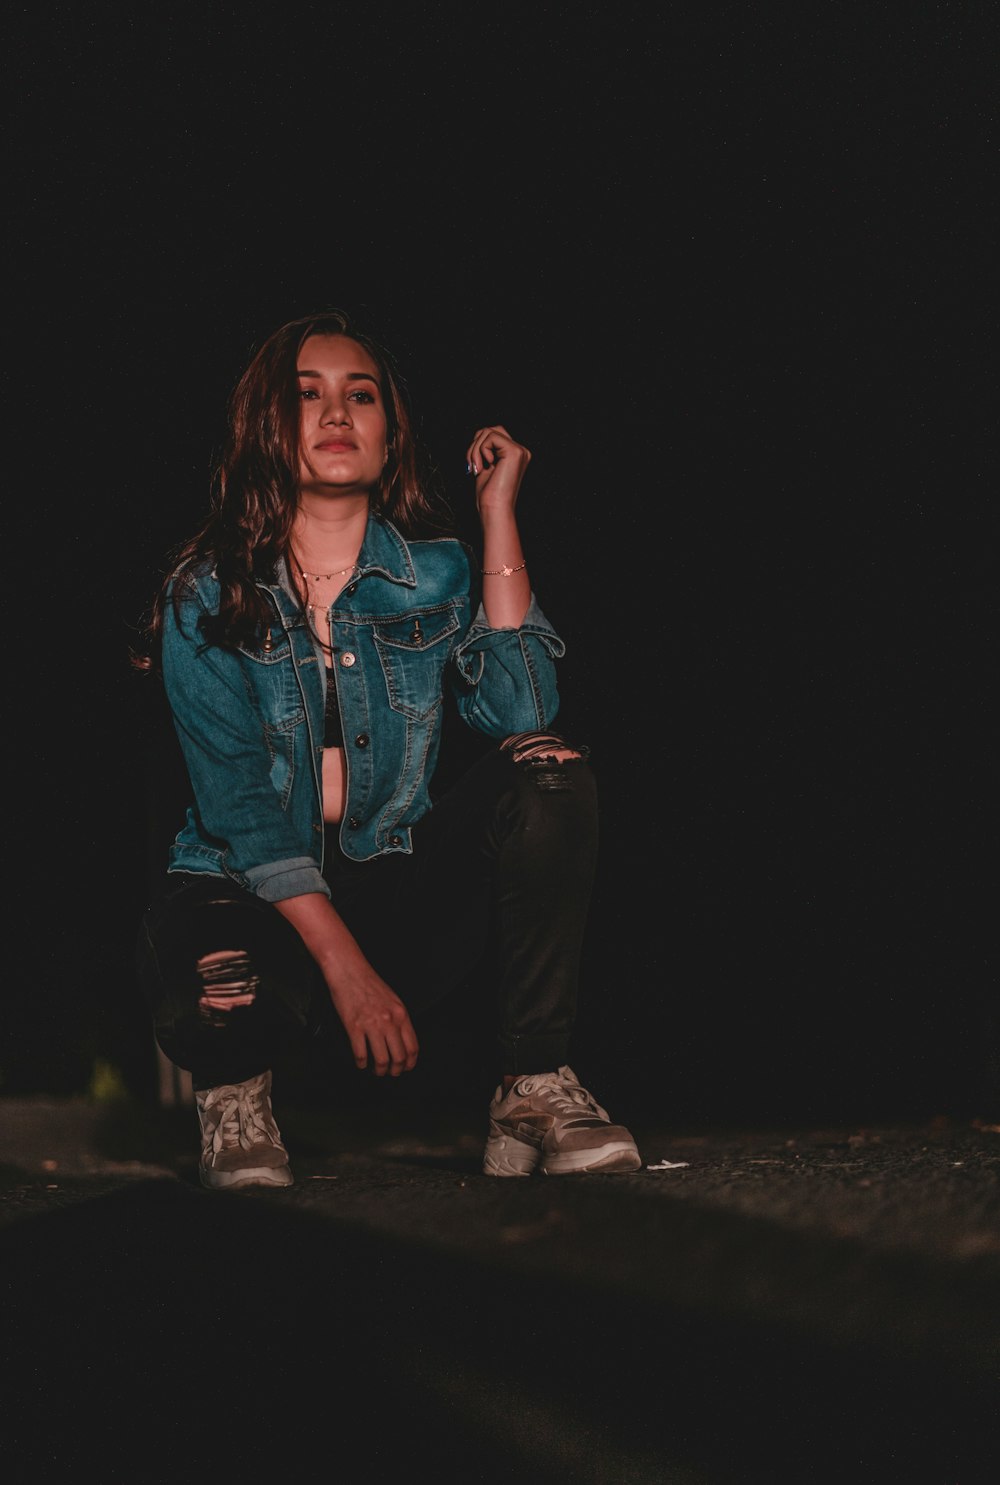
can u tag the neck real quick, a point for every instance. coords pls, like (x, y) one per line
(328, 535)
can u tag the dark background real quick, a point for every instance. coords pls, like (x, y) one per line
(728, 271)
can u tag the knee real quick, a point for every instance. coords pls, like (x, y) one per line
(538, 749)
(227, 980)
(220, 950)
(547, 764)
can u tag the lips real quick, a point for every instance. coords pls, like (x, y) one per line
(336, 445)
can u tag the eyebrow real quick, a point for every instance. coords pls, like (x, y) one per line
(352, 376)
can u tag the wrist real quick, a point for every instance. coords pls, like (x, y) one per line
(506, 569)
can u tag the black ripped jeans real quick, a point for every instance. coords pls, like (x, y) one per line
(494, 895)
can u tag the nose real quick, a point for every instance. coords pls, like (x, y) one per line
(336, 411)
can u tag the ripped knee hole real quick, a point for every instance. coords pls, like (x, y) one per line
(227, 978)
(539, 748)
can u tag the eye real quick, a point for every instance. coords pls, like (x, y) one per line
(308, 393)
(362, 395)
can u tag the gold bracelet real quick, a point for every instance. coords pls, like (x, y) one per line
(501, 571)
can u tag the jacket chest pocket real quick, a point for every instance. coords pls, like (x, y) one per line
(414, 650)
(273, 684)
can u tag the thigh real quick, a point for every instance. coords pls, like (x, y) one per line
(205, 915)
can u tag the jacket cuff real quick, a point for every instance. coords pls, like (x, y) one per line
(281, 879)
(482, 635)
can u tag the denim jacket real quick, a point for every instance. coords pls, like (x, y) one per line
(250, 721)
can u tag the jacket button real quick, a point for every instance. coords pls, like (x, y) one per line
(362, 740)
(395, 840)
(347, 659)
(354, 823)
(318, 829)
(351, 589)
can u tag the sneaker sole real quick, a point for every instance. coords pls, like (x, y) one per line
(611, 1158)
(505, 1156)
(233, 1180)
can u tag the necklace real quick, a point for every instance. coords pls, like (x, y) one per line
(311, 624)
(318, 577)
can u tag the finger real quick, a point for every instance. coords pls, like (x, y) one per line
(387, 1056)
(485, 443)
(380, 1061)
(411, 1046)
(402, 1048)
(394, 1051)
(474, 454)
(492, 443)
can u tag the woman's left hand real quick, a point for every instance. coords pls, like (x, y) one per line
(498, 463)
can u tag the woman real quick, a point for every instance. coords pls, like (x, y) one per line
(310, 635)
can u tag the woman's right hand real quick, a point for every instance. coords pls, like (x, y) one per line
(377, 1022)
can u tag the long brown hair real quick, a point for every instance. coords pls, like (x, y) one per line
(254, 486)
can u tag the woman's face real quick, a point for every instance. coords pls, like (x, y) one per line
(343, 425)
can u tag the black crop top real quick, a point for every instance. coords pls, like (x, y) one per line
(333, 735)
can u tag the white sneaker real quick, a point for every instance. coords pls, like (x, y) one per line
(240, 1142)
(548, 1122)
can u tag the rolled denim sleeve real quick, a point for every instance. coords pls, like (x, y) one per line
(223, 741)
(280, 879)
(507, 677)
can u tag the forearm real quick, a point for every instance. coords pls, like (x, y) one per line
(506, 584)
(325, 935)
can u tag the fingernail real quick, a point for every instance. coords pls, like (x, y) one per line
(468, 467)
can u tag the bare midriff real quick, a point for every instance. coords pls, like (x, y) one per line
(334, 784)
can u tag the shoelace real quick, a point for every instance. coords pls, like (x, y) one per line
(565, 1096)
(242, 1118)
